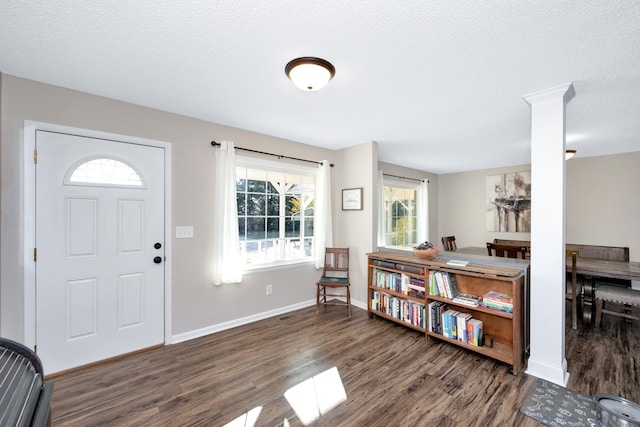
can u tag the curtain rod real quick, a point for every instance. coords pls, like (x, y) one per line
(280, 156)
(405, 177)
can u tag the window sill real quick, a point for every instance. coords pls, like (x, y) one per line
(282, 265)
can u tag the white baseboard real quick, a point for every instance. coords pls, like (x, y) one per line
(248, 319)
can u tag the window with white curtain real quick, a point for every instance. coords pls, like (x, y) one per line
(400, 216)
(275, 212)
(403, 214)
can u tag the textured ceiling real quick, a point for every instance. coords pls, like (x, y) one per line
(438, 84)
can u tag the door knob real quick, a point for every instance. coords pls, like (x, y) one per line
(157, 260)
(157, 245)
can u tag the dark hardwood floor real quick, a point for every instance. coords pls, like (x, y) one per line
(391, 375)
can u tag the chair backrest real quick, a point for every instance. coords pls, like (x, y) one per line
(449, 243)
(336, 262)
(508, 251)
(511, 242)
(609, 253)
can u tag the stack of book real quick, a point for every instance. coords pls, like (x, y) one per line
(461, 326)
(468, 299)
(399, 308)
(398, 282)
(436, 308)
(443, 284)
(415, 287)
(498, 301)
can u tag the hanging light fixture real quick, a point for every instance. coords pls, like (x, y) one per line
(569, 154)
(309, 73)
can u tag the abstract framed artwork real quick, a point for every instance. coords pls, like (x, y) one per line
(509, 202)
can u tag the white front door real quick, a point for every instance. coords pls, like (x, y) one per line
(100, 249)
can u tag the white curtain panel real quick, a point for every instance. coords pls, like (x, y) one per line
(323, 222)
(423, 211)
(381, 216)
(227, 264)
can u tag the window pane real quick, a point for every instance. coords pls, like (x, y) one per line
(256, 186)
(308, 226)
(256, 204)
(255, 228)
(242, 228)
(273, 227)
(273, 205)
(293, 205)
(400, 216)
(292, 227)
(241, 184)
(275, 209)
(105, 172)
(242, 203)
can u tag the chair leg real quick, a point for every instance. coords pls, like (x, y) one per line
(349, 301)
(599, 307)
(317, 299)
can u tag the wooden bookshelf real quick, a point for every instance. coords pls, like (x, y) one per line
(477, 278)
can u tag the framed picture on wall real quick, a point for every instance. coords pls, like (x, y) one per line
(352, 199)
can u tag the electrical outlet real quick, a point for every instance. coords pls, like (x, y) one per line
(269, 289)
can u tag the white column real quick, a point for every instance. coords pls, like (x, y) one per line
(547, 287)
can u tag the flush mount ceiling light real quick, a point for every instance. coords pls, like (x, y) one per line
(309, 73)
(569, 154)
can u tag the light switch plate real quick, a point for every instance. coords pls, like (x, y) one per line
(184, 232)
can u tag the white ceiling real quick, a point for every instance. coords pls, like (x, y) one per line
(437, 84)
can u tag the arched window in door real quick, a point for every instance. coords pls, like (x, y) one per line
(104, 172)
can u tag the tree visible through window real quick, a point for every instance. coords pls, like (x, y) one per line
(400, 216)
(275, 214)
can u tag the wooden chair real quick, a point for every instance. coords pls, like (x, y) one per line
(335, 276)
(609, 253)
(449, 243)
(508, 251)
(512, 242)
(574, 292)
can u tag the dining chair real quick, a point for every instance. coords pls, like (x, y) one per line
(334, 281)
(507, 251)
(573, 289)
(449, 243)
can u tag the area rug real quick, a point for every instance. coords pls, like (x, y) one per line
(554, 405)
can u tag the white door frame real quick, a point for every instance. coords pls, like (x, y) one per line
(29, 218)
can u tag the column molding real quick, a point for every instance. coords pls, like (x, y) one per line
(548, 275)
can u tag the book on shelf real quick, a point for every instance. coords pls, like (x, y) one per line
(384, 264)
(442, 291)
(498, 301)
(447, 284)
(450, 324)
(436, 308)
(497, 306)
(461, 326)
(498, 297)
(468, 299)
(452, 283)
(416, 287)
(475, 333)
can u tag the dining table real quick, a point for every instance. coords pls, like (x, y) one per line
(584, 266)
(591, 271)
